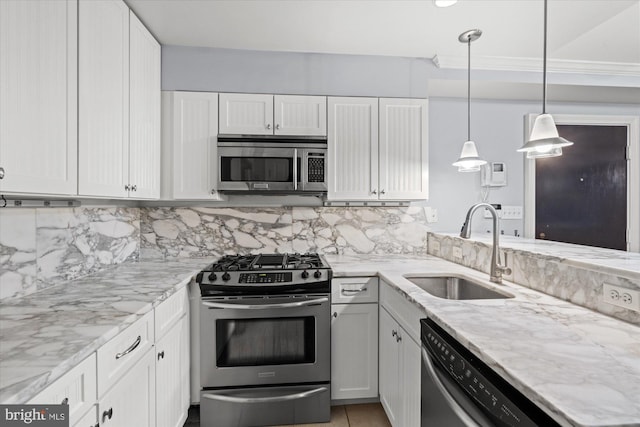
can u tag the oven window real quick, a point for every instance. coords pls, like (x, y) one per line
(257, 342)
(257, 169)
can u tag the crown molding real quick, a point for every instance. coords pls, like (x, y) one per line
(503, 63)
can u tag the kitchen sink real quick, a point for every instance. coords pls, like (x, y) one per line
(456, 288)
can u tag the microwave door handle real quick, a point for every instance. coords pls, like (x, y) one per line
(265, 306)
(270, 399)
(295, 169)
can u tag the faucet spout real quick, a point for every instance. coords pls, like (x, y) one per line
(497, 269)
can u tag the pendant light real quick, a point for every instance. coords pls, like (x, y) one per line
(469, 160)
(445, 3)
(544, 140)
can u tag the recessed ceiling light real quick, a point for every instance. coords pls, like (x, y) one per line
(445, 3)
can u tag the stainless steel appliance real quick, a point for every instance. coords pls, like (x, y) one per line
(459, 390)
(283, 165)
(265, 340)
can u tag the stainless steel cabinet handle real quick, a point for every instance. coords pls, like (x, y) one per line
(453, 403)
(130, 349)
(161, 355)
(265, 306)
(1, 173)
(268, 125)
(107, 414)
(286, 397)
(353, 291)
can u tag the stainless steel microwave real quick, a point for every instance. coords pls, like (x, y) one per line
(274, 164)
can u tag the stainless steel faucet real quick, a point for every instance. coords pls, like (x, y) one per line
(496, 268)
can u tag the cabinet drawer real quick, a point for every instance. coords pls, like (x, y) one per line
(347, 290)
(406, 313)
(170, 311)
(118, 355)
(78, 387)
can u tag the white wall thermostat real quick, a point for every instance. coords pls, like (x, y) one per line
(494, 174)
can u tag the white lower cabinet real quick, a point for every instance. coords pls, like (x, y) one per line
(354, 338)
(132, 400)
(399, 366)
(90, 419)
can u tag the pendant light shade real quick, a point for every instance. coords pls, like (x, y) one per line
(469, 161)
(445, 3)
(544, 140)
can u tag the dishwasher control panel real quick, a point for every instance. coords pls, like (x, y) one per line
(479, 381)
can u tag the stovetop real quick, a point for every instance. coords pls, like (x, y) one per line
(266, 274)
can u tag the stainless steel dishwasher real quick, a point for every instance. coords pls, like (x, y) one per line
(459, 390)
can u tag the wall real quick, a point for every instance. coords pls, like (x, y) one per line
(40, 248)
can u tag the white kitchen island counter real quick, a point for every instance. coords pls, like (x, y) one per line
(44, 335)
(581, 367)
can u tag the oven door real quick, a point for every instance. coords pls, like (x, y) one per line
(261, 341)
(259, 168)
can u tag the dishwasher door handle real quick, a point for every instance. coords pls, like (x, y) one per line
(454, 404)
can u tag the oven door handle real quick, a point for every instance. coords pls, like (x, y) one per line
(271, 399)
(265, 306)
(295, 169)
(454, 404)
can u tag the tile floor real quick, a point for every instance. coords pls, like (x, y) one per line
(362, 415)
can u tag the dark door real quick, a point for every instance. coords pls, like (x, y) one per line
(581, 196)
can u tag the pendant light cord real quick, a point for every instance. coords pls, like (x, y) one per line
(544, 63)
(469, 90)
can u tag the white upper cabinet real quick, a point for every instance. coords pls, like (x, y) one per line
(119, 96)
(404, 150)
(353, 148)
(300, 115)
(38, 102)
(189, 145)
(246, 114)
(254, 114)
(103, 98)
(365, 165)
(144, 111)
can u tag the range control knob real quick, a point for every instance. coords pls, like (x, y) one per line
(317, 274)
(226, 276)
(212, 277)
(305, 274)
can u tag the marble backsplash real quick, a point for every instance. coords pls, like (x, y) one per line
(212, 232)
(559, 273)
(40, 248)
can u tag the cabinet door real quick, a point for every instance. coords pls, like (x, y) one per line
(103, 93)
(144, 112)
(404, 150)
(300, 115)
(411, 365)
(171, 370)
(354, 351)
(38, 105)
(390, 369)
(353, 149)
(246, 114)
(131, 401)
(189, 145)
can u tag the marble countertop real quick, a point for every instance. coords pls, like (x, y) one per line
(581, 367)
(44, 335)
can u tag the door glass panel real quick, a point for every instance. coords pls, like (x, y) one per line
(257, 169)
(258, 342)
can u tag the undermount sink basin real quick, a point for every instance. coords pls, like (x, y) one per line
(456, 288)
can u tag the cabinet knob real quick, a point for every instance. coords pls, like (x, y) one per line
(65, 401)
(374, 192)
(335, 314)
(268, 125)
(161, 355)
(107, 415)
(1, 173)
(398, 338)
(394, 333)
(382, 191)
(127, 188)
(134, 188)
(213, 191)
(277, 127)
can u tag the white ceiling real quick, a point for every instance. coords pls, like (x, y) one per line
(605, 32)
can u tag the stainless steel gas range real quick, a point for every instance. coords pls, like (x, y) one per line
(264, 341)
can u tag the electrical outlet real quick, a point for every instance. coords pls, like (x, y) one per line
(511, 212)
(431, 214)
(621, 297)
(457, 252)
